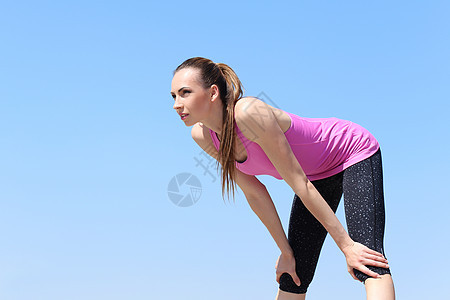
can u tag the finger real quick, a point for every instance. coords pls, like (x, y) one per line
(375, 263)
(366, 271)
(296, 279)
(373, 252)
(376, 258)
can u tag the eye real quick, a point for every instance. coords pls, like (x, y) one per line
(184, 92)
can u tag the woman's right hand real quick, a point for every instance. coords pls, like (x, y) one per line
(286, 264)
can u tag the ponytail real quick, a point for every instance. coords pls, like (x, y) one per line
(228, 134)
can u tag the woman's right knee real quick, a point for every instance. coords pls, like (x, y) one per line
(288, 285)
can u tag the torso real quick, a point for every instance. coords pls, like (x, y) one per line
(322, 146)
(283, 120)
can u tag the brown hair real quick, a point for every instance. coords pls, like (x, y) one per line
(230, 91)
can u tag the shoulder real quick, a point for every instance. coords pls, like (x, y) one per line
(252, 108)
(244, 104)
(198, 131)
(201, 135)
(255, 118)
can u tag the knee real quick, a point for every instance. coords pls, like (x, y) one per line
(287, 284)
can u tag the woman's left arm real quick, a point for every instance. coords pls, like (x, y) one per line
(257, 122)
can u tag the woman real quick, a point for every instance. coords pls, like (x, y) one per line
(320, 159)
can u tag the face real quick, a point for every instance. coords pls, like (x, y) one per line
(190, 97)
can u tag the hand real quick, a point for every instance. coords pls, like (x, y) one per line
(359, 256)
(286, 264)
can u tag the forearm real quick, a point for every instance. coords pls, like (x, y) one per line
(320, 209)
(262, 205)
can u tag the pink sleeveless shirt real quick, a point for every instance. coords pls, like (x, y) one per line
(322, 146)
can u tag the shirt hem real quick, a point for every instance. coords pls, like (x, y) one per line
(343, 166)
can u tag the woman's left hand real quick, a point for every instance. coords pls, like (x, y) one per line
(359, 256)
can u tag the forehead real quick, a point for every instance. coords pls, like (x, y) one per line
(185, 77)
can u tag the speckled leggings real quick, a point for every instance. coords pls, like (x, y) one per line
(362, 186)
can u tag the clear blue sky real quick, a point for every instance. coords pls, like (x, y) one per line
(89, 142)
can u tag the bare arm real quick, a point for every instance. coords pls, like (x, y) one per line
(320, 209)
(262, 205)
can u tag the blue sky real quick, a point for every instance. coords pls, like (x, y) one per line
(90, 142)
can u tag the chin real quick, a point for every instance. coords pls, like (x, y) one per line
(188, 123)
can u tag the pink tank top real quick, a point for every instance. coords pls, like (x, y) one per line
(322, 146)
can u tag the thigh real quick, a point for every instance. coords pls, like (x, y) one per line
(306, 235)
(364, 205)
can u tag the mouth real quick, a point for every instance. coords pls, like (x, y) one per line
(183, 116)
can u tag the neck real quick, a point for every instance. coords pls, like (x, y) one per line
(215, 116)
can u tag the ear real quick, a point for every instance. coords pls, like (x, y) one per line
(214, 92)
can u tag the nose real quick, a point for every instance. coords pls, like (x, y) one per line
(176, 105)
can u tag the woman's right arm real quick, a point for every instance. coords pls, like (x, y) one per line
(255, 192)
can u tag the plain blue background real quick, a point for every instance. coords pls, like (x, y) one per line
(90, 141)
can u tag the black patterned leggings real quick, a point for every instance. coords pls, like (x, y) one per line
(362, 186)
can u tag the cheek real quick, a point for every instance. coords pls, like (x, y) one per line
(199, 105)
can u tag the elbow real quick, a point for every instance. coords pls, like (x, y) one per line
(303, 187)
(297, 180)
(257, 197)
(256, 192)
(260, 192)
